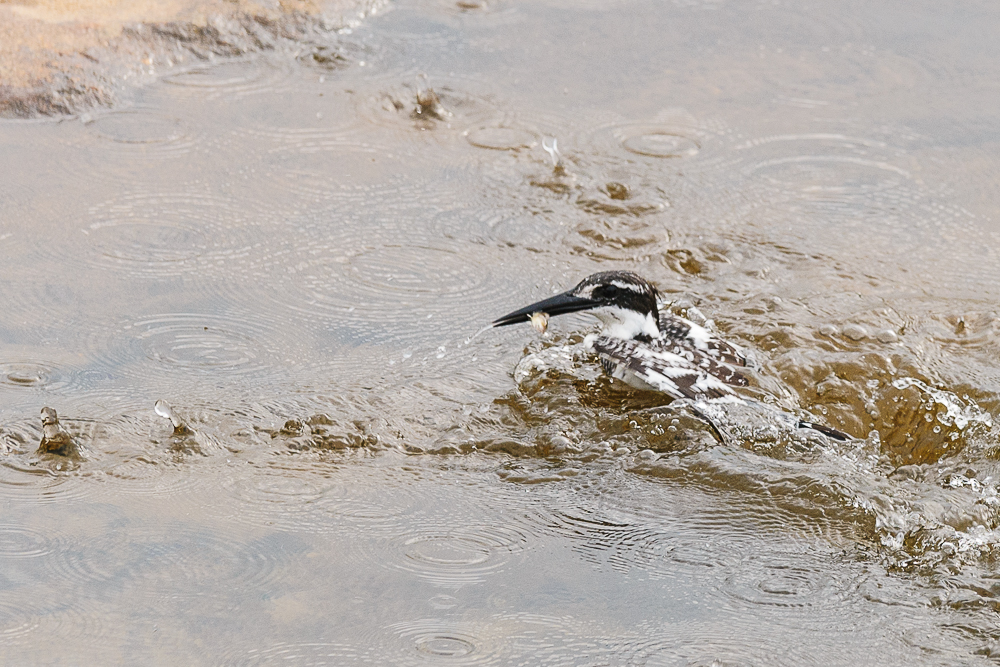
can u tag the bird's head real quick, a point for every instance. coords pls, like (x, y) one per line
(623, 301)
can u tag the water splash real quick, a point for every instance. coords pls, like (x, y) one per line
(55, 440)
(163, 409)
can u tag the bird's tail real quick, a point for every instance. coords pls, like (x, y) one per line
(802, 423)
(825, 430)
(725, 438)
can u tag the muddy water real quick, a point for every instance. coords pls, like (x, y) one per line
(294, 253)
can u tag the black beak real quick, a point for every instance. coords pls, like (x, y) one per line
(559, 304)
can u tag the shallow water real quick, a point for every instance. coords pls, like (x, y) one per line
(295, 254)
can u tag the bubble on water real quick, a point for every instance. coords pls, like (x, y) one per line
(654, 142)
(956, 412)
(887, 336)
(855, 332)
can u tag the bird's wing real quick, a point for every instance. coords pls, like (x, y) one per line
(705, 360)
(673, 374)
(684, 332)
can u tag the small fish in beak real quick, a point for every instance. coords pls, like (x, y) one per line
(559, 304)
(540, 321)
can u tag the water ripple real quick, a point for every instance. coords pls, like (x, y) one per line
(152, 132)
(624, 543)
(501, 138)
(174, 560)
(673, 134)
(785, 584)
(18, 622)
(312, 498)
(196, 342)
(328, 169)
(32, 374)
(453, 557)
(838, 175)
(439, 641)
(21, 542)
(145, 476)
(307, 654)
(39, 485)
(464, 104)
(374, 293)
(790, 582)
(203, 558)
(186, 343)
(166, 234)
(127, 145)
(827, 175)
(233, 78)
(540, 639)
(738, 644)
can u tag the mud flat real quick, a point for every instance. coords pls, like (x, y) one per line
(59, 57)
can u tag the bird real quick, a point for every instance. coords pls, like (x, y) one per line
(650, 350)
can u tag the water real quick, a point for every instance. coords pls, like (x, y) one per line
(293, 254)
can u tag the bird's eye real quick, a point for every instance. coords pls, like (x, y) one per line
(609, 291)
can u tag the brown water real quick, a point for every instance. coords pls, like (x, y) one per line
(295, 255)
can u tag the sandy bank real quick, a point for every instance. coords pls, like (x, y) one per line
(60, 56)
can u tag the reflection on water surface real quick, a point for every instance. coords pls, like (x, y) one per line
(294, 253)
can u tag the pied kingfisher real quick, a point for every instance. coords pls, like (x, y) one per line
(647, 349)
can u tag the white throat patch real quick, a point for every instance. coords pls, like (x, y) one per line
(626, 324)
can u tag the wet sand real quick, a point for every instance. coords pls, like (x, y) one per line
(60, 57)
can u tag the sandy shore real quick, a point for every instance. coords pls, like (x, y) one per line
(61, 56)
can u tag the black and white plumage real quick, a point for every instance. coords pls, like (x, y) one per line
(649, 350)
(642, 347)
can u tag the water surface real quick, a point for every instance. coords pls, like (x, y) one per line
(294, 252)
